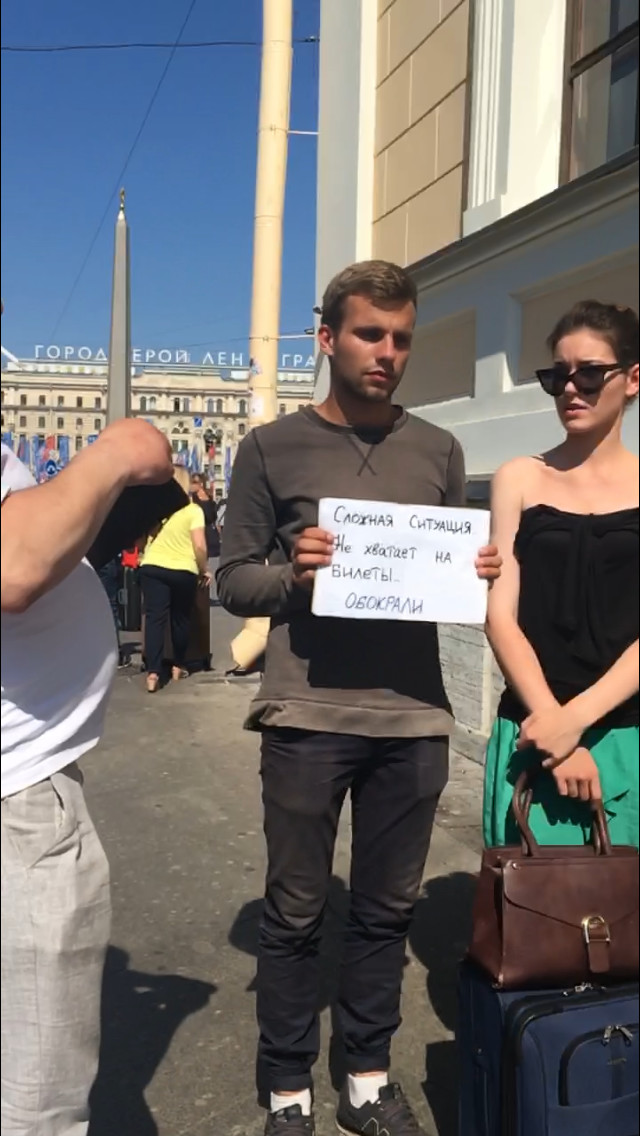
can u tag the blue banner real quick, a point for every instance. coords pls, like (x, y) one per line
(23, 450)
(7, 439)
(64, 450)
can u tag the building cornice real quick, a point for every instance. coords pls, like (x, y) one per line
(605, 188)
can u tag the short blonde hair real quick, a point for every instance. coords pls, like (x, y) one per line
(181, 475)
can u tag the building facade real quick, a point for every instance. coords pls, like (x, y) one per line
(491, 147)
(189, 404)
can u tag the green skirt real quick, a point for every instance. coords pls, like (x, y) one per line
(555, 819)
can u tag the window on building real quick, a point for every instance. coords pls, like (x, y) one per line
(176, 405)
(302, 405)
(23, 400)
(217, 469)
(242, 429)
(42, 423)
(186, 403)
(283, 410)
(60, 423)
(58, 442)
(23, 421)
(60, 400)
(143, 403)
(175, 446)
(219, 406)
(97, 423)
(78, 422)
(79, 402)
(42, 400)
(242, 406)
(601, 111)
(152, 402)
(78, 442)
(210, 406)
(98, 402)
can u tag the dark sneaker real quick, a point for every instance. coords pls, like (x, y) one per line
(290, 1122)
(390, 1115)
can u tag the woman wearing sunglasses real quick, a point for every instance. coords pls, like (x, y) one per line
(563, 617)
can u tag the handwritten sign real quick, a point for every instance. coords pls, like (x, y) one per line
(409, 562)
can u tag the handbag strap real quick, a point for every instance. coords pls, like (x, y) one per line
(521, 805)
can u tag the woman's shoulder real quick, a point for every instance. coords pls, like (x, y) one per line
(516, 476)
(194, 512)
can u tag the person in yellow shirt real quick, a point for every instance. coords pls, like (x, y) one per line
(173, 563)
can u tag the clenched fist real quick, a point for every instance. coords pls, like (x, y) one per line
(313, 549)
(140, 453)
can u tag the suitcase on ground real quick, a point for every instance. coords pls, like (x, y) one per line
(130, 600)
(548, 1063)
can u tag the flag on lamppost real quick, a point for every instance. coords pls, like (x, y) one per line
(228, 463)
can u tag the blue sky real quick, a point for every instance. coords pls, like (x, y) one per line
(68, 121)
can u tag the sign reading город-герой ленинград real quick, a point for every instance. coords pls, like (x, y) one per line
(409, 562)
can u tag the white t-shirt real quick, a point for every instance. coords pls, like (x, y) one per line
(58, 662)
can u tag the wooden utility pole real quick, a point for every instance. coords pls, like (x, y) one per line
(271, 175)
(273, 134)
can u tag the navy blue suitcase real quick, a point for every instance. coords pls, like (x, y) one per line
(547, 1063)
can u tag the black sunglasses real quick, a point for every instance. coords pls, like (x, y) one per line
(587, 378)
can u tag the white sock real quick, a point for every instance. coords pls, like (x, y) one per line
(282, 1100)
(367, 1088)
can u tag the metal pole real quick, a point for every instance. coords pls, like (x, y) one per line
(273, 128)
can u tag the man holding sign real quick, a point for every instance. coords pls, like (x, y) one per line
(352, 699)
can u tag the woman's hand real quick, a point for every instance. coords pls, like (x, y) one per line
(205, 579)
(489, 563)
(576, 775)
(555, 731)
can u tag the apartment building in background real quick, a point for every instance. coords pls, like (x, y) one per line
(189, 404)
(491, 147)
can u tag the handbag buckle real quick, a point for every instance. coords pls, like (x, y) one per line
(591, 923)
(597, 937)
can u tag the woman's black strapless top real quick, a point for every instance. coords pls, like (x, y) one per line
(578, 600)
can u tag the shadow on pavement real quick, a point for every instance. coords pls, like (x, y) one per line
(439, 937)
(140, 1014)
(244, 937)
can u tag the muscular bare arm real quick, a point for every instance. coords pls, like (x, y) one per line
(47, 529)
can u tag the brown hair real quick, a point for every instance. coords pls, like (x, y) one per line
(374, 279)
(618, 326)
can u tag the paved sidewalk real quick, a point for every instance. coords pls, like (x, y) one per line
(175, 793)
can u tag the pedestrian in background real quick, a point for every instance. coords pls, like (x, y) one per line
(174, 561)
(563, 617)
(110, 576)
(58, 658)
(201, 495)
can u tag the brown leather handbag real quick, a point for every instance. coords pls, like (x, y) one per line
(556, 916)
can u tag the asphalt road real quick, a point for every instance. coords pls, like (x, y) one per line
(174, 791)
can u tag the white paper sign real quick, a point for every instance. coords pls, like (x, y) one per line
(410, 562)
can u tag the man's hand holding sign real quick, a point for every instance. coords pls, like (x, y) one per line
(376, 560)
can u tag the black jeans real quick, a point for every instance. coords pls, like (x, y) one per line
(167, 594)
(395, 784)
